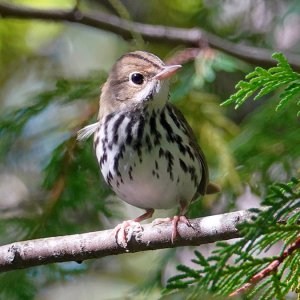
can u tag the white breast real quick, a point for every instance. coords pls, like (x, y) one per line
(145, 165)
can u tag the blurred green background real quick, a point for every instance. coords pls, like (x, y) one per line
(50, 80)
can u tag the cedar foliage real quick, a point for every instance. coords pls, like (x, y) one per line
(233, 264)
(265, 81)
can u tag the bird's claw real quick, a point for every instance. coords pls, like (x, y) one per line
(124, 231)
(175, 220)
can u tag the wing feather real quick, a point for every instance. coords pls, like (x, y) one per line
(198, 151)
(84, 133)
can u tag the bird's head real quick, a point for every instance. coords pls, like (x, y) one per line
(137, 79)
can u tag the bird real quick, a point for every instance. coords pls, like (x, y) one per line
(146, 150)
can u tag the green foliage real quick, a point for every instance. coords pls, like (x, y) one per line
(13, 122)
(265, 150)
(68, 192)
(232, 265)
(16, 281)
(266, 81)
(72, 189)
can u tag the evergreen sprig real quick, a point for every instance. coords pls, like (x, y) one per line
(264, 81)
(232, 265)
(13, 122)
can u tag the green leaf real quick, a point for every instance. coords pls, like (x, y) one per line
(267, 81)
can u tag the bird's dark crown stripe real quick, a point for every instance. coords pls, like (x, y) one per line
(144, 59)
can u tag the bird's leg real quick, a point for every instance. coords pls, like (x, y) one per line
(147, 215)
(175, 220)
(123, 232)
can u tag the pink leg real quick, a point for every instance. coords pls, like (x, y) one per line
(175, 220)
(123, 231)
(147, 215)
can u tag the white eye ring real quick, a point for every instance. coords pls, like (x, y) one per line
(137, 78)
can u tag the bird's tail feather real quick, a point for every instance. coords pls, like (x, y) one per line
(212, 188)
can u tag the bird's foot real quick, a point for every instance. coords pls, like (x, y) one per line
(123, 232)
(175, 220)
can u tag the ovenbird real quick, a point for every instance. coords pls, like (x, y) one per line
(145, 148)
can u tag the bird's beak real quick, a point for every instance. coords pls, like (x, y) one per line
(167, 72)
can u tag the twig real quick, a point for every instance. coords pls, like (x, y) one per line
(272, 267)
(154, 33)
(98, 244)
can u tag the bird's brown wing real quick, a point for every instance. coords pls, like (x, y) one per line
(204, 185)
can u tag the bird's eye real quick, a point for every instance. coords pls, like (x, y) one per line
(137, 78)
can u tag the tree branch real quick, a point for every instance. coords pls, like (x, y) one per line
(154, 33)
(271, 268)
(98, 244)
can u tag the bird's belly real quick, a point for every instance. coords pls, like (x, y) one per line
(152, 168)
(150, 184)
(153, 180)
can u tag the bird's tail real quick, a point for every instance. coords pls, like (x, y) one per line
(212, 188)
